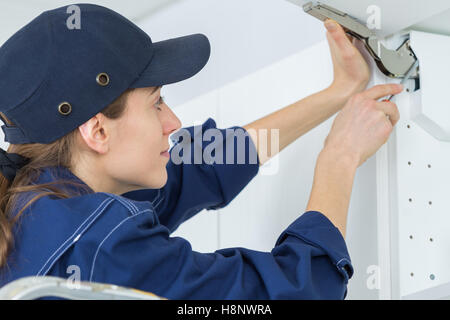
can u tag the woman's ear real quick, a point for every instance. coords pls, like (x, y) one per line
(95, 134)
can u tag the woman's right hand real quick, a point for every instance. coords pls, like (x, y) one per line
(362, 126)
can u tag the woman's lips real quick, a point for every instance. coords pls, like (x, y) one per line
(165, 154)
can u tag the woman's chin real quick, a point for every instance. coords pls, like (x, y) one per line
(163, 180)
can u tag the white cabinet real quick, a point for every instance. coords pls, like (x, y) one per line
(413, 178)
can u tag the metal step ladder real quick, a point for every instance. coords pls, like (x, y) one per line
(30, 288)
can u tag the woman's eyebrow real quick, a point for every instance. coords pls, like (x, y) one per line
(152, 92)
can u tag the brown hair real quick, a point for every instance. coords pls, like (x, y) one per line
(57, 153)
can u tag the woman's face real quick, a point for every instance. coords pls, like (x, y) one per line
(130, 150)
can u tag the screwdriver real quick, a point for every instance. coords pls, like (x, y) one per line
(407, 76)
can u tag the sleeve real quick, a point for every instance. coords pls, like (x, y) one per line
(309, 261)
(196, 183)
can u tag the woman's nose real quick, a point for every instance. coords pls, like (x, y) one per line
(170, 121)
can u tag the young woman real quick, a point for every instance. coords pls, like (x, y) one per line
(89, 185)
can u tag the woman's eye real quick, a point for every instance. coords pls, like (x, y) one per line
(160, 100)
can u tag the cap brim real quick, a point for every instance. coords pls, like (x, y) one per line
(175, 60)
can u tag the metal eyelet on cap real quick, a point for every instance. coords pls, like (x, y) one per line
(64, 108)
(102, 79)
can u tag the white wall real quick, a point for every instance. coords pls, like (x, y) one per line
(245, 36)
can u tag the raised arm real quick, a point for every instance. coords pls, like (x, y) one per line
(351, 75)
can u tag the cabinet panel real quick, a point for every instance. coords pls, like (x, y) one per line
(423, 175)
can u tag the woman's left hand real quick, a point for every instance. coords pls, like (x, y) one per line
(351, 72)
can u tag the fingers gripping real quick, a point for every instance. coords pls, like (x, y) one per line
(390, 109)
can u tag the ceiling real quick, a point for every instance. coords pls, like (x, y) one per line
(439, 23)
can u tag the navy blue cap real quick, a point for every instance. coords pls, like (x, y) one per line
(54, 78)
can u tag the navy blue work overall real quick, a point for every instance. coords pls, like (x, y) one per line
(125, 240)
